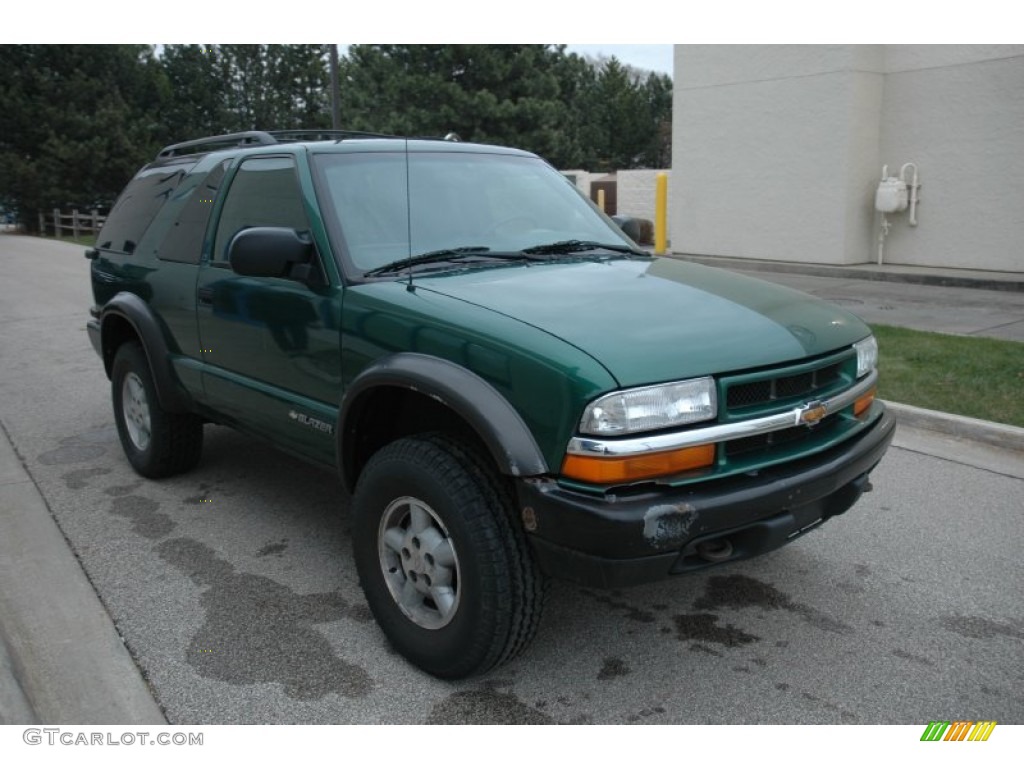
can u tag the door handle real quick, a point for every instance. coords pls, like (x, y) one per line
(205, 295)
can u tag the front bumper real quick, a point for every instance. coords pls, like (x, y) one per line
(619, 541)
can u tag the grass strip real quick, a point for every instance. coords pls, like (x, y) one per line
(966, 375)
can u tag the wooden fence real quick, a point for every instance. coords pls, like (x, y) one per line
(76, 223)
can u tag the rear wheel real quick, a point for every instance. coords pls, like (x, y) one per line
(156, 443)
(446, 571)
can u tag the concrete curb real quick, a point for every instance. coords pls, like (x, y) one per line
(15, 708)
(61, 657)
(885, 273)
(1003, 436)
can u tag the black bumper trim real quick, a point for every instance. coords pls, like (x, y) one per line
(631, 540)
(93, 328)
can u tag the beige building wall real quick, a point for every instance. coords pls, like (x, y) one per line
(777, 151)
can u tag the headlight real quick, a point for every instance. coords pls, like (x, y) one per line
(649, 408)
(867, 355)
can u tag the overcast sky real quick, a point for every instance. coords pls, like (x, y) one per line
(657, 58)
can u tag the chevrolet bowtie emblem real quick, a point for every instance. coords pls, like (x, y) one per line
(811, 413)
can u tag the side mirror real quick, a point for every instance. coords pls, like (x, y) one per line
(630, 226)
(271, 252)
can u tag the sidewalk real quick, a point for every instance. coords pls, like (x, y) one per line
(893, 273)
(62, 660)
(960, 302)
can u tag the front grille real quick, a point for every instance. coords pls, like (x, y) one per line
(782, 437)
(780, 390)
(765, 391)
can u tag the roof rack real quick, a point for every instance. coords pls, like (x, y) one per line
(212, 142)
(246, 138)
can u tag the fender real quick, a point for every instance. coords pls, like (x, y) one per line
(495, 421)
(153, 336)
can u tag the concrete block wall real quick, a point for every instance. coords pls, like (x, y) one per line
(635, 190)
(636, 193)
(583, 179)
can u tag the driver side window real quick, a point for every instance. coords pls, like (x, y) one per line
(264, 193)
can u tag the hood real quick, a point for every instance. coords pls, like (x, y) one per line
(651, 321)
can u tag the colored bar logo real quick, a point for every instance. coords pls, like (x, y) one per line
(958, 730)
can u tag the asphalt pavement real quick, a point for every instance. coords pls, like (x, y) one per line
(63, 658)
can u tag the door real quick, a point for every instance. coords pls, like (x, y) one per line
(270, 346)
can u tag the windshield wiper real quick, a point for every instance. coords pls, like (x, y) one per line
(576, 246)
(448, 254)
(444, 254)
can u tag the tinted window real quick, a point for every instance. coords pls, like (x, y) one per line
(184, 240)
(264, 193)
(137, 206)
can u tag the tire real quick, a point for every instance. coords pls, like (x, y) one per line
(157, 443)
(447, 573)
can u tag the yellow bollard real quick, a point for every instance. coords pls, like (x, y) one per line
(661, 213)
(600, 199)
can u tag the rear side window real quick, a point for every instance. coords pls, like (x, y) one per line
(184, 240)
(137, 206)
(264, 193)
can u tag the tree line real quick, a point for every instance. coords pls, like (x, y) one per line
(79, 120)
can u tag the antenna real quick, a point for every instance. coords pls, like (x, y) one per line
(408, 215)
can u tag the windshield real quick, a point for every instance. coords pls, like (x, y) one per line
(453, 200)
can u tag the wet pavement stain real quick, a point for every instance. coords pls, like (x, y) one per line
(143, 515)
(703, 627)
(71, 454)
(613, 667)
(845, 715)
(273, 548)
(487, 707)
(201, 497)
(701, 648)
(81, 447)
(978, 628)
(631, 611)
(77, 479)
(643, 714)
(744, 592)
(122, 490)
(256, 630)
(901, 654)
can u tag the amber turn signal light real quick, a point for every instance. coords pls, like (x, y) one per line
(624, 469)
(864, 402)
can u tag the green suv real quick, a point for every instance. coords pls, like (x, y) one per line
(510, 388)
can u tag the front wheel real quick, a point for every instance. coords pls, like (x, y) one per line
(446, 571)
